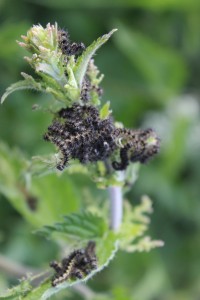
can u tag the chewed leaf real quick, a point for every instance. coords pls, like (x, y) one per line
(106, 243)
(106, 248)
(84, 226)
(28, 83)
(83, 60)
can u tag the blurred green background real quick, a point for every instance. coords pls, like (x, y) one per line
(152, 71)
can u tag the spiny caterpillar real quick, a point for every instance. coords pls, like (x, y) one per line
(80, 133)
(76, 266)
(66, 46)
(139, 145)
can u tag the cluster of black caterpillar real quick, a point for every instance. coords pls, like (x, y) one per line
(80, 133)
(139, 145)
(76, 266)
(87, 88)
(67, 47)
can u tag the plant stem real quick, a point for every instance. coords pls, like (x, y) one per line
(116, 207)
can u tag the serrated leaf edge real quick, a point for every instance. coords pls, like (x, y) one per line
(83, 61)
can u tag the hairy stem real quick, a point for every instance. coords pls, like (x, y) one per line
(116, 207)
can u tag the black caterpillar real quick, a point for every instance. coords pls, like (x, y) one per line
(80, 133)
(137, 146)
(76, 266)
(67, 47)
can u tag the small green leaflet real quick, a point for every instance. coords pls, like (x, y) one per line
(28, 83)
(83, 61)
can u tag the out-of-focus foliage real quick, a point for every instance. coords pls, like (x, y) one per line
(162, 70)
(45, 201)
(152, 73)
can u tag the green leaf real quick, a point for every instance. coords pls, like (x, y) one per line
(93, 227)
(106, 248)
(83, 61)
(105, 111)
(28, 83)
(83, 225)
(134, 226)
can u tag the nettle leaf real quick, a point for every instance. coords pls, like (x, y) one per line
(83, 61)
(84, 225)
(28, 83)
(106, 248)
(135, 224)
(47, 61)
